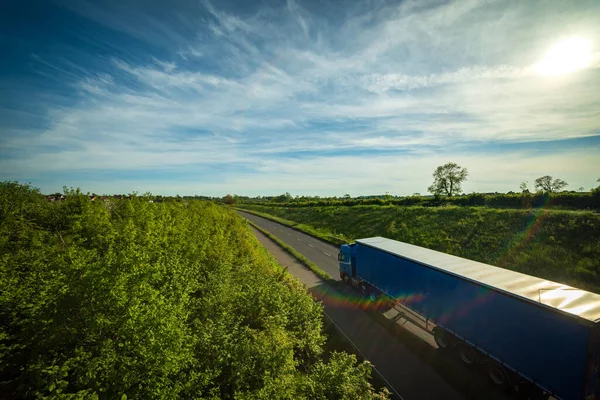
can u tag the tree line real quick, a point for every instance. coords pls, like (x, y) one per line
(448, 180)
(446, 189)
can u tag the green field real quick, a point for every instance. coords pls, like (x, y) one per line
(563, 246)
(133, 299)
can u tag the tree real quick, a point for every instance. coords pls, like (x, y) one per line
(283, 198)
(523, 187)
(229, 199)
(581, 189)
(447, 179)
(549, 185)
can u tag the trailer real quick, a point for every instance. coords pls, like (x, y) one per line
(535, 335)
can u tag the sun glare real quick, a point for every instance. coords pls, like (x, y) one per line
(566, 56)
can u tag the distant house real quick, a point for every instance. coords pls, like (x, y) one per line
(55, 197)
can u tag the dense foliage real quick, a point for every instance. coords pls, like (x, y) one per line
(563, 200)
(128, 298)
(563, 246)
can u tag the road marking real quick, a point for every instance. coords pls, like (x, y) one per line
(311, 245)
(327, 254)
(289, 234)
(281, 230)
(298, 239)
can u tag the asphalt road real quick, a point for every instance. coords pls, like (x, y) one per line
(409, 364)
(321, 253)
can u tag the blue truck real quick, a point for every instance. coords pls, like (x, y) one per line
(536, 336)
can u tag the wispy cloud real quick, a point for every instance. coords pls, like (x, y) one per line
(295, 92)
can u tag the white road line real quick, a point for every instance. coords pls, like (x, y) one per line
(281, 230)
(289, 234)
(327, 254)
(298, 239)
(311, 245)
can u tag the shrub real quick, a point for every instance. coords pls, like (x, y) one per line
(127, 298)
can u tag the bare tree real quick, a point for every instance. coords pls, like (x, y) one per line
(447, 179)
(550, 185)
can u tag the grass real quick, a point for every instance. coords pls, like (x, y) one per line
(557, 245)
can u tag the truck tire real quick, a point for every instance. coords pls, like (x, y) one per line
(442, 338)
(467, 354)
(497, 374)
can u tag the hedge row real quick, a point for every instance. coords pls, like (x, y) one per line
(567, 200)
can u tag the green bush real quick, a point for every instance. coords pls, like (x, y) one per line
(107, 299)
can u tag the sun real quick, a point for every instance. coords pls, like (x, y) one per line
(567, 55)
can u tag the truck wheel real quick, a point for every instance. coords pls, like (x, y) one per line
(497, 374)
(467, 354)
(442, 338)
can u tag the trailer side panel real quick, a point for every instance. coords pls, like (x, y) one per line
(593, 365)
(542, 344)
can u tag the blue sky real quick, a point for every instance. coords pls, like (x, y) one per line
(314, 98)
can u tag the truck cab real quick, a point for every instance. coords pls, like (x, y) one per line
(347, 259)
